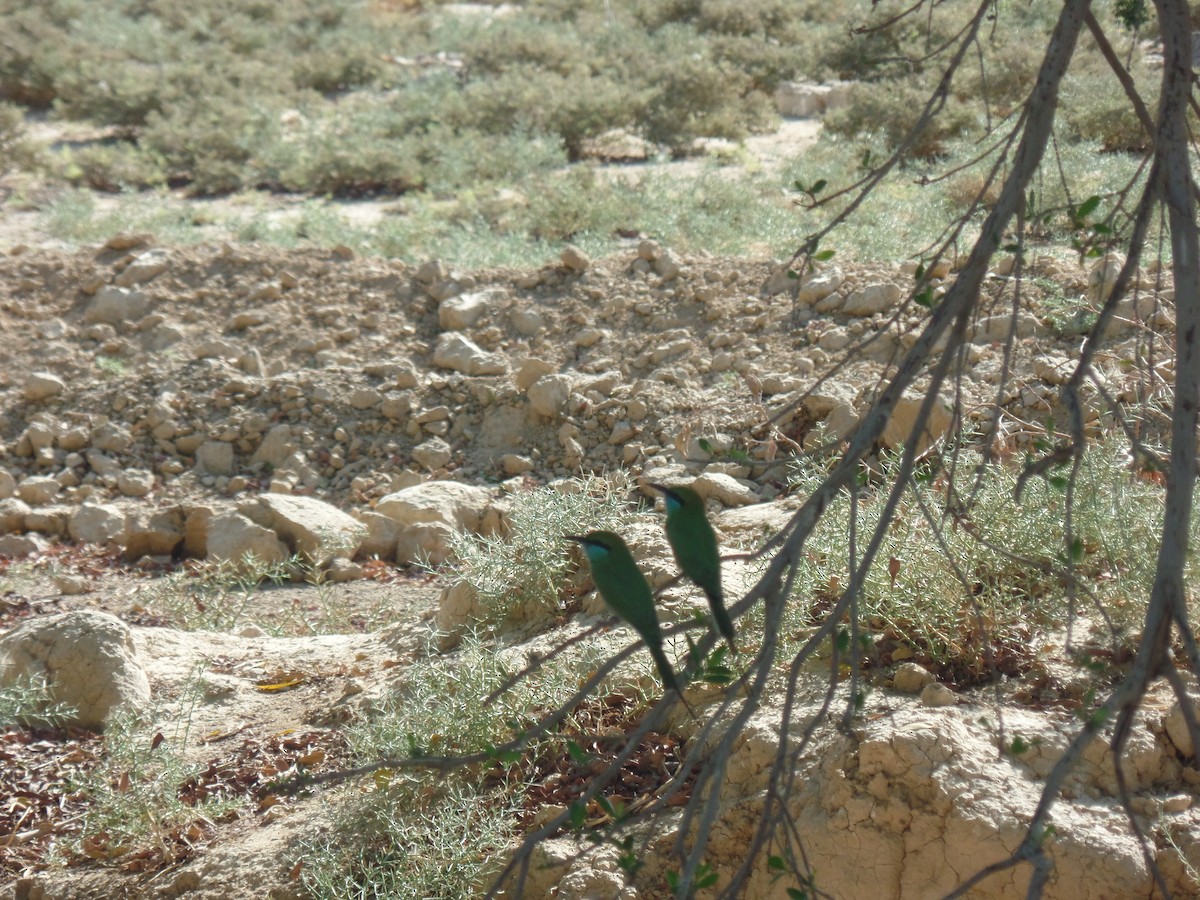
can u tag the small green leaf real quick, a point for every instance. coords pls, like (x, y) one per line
(1077, 550)
(1019, 746)
(672, 880)
(917, 275)
(797, 894)
(577, 754)
(925, 298)
(1088, 206)
(793, 274)
(705, 445)
(824, 255)
(578, 812)
(817, 186)
(776, 863)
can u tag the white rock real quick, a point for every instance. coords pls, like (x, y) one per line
(276, 447)
(911, 678)
(724, 488)
(315, 529)
(872, 299)
(38, 490)
(87, 659)
(98, 523)
(111, 438)
(145, 266)
(819, 286)
(428, 544)
(450, 503)
(135, 482)
(548, 395)
(16, 546)
(380, 539)
(900, 426)
(530, 370)
(433, 453)
(937, 694)
(215, 458)
(528, 322)
(12, 515)
(456, 352)
(116, 306)
(463, 311)
(1053, 369)
(458, 605)
(43, 385)
(993, 329)
(575, 259)
(8, 484)
(365, 398)
(153, 533)
(231, 537)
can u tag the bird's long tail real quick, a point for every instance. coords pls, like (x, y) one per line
(721, 616)
(667, 673)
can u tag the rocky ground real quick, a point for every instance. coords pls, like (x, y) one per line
(163, 406)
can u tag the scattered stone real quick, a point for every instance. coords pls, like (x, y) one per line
(462, 312)
(380, 539)
(12, 515)
(8, 484)
(433, 453)
(515, 464)
(937, 694)
(97, 523)
(911, 678)
(38, 490)
(900, 427)
(215, 458)
(456, 352)
(145, 267)
(135, 482)
(153, 533)
(725, 489)
(87, 660)
(575, 259)
(342, 570)
(872, 299)
(529, 371)
(117, 306)
(231, 537)
(42, 386)
(17, 546)
(548, 395)
(313, 528)
(996, 329)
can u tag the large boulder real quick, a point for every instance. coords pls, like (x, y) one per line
(85, 657)
(427, 516)
(313, 528)
(231, 537)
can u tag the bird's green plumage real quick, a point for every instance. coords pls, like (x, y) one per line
(627, 593)
(694, 544)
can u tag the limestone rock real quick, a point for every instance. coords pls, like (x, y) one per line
(819, 286)
(463, 355)
(462, 312)
(427, 515)
(135, 482)
(530, 370)
(548, 395)
(42, 386)
(215, 458)
(313, 528)
(38, 490)
(97, 523)
(276, 447)
(904, 416)
(12, 515)
(16, 546)
(994, 329)
(116, 306)
(380, 539)
(725, 489)
(231, 537)
(145, 267)
(8, 484)
(911, 678)
(575, 259)
(87, 659)
(872, 299)
(458, 605)
(157, 533)
(433, 453)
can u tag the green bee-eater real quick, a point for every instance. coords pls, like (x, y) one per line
(627, 593)
(694, 544)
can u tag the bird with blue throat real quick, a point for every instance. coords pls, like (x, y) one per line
(627, 593)
(694, 543)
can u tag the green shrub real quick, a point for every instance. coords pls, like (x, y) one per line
(893, 109)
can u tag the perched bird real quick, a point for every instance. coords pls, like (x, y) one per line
(627, 593)
(694, 544)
